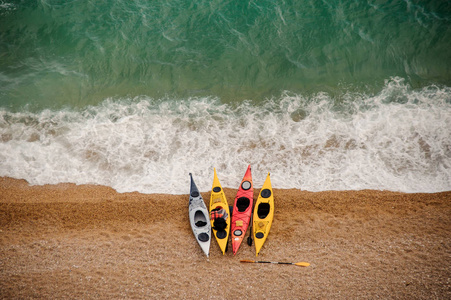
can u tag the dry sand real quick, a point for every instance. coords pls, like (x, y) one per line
(90, 242)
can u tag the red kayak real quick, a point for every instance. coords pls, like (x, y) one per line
(242, 210)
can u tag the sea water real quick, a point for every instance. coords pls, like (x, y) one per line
(324, 95)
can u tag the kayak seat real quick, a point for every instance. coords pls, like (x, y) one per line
(219, 224)
(201, 223)
(242, 204)
(199, 219)
(263, 210)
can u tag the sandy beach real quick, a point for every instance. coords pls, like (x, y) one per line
(90, 242)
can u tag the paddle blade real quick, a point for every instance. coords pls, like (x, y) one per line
(249, 240)
(247, 261)
(302, 264)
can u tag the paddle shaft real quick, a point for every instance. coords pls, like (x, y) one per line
(274, 262)
(249, 238)
(300, 264)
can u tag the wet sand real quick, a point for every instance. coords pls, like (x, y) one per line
(90, 242)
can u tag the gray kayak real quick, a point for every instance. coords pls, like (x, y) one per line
(199, 218)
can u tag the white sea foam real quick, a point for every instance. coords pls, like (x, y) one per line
(399, 140)
(6, 6)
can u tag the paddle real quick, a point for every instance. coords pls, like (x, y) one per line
(300, 264)
(249, 238)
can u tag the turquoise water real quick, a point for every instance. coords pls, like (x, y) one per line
(137, 94)
(77, 53)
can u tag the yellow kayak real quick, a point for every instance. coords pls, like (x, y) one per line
(219, 214)
(263, 215)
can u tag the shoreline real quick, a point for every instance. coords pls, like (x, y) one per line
(89, 241)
